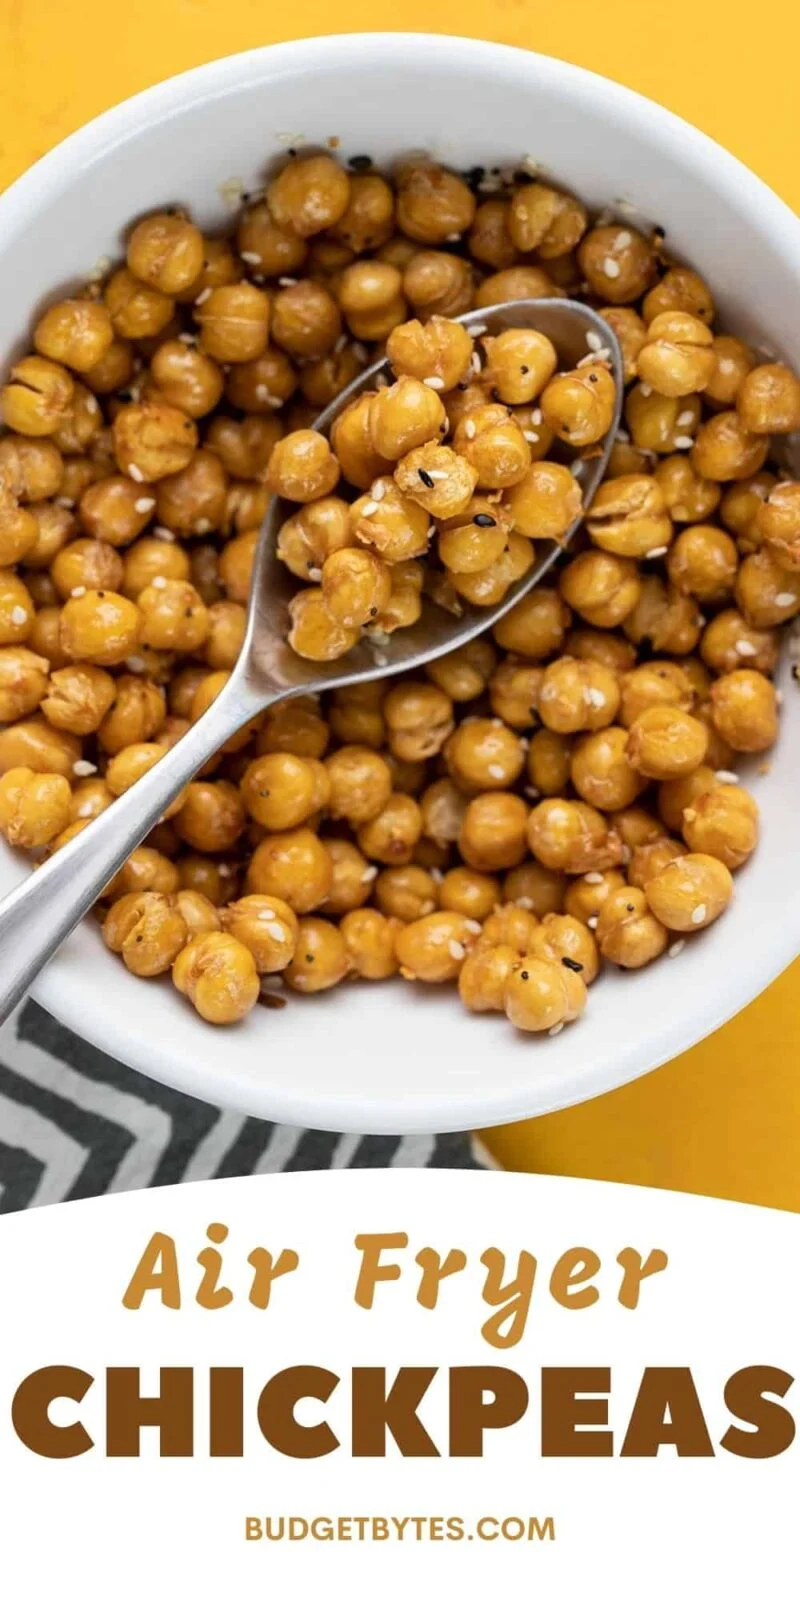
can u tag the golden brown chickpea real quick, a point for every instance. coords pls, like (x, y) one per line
(294, 867)
(541, 996)
(218, 974)
(193, 501)
(433, 948)
(463, 674)
(438, 285)
(681, 793)
(660, 424)
(227, 624)
(198, 912)
(676, 358)
(766, 592)
(187, 378)
(368, 220)
(549, 757)
(81, 425)
(511, 924)
(33, 743)
(281, 791)
(483, 976)
(586, 896)
(321, 959)
(655, 683)
(406, 893)
(745, 710)
(404, 417)
(724, 449)
(56, 526)
(777, 521)
(437, 479)
(234, 322)
(628, 517)
(514, 689)
(360, 784)
(404, 606)
(732, 361)
(37, 397)
(90, 798)
(687, 496)
(78, 699)
(492, 836)
(489, 587)
(152, 440)
(489, 239)
(302, 467)
(173, 616)
(651, 858)
(116, 510)
(352, 443)
(147, 930)
(370, 940)
(152, 558)
(665, 742)
(305, 320)
(602, 773)
(34, 807)
(245, 508)
(321, 381)
(369, 293)
(562, 938)
(137, 310)
(86, 564)
(19, 533)
(730, 641)
(631, 333)
(514, 283)
(671, 621)
(211, 817)
(266, 926)
(266, 246)
(579, 406)
(532, 889)
(355, 714)
(328, 257)
(602, 587)
(75, 333)
(627, 932)
(100, 626)
(680, 289)
(244, 448)
(474, 894)
(433, 205)
(30, 469)
(722, 821)
(703, 562)
(545, 502)
(114, 370)
(200, 875)
(571, 836)
(443, 808)
(519, 363)
(310, 194)
(23, 682)
(439, 349)
(166, 251)
(618, 263)
(768, 399)
(136, 716)
(483, 755)
(492, 441)
(419, 719)
(475, 539)
(390, 836)
(314, 633)
(636, 825)
(690, 892)
(308, 538)
(577, 696)
(536, 626)
(44, 637)
(545, 220)
(295, 726)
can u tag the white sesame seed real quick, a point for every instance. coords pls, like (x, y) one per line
(277, 932)
(726, 366)
(660, 550)
(381, 660)
(594, 341)
(596, 698)
(556, 1029)
(699, 914)
(472, 926)
(592, 877)
(475, 363)
(274, 402)
(369, 508)
(496, 771)
(592, 922)
(102, 265)
(187, 338)
(611, 268)
(262, 393)
(524, 902)
(204, 295)
(479, 329)
(683, 441)
(369, 875)
(785, 598)
(527, 433)
(65, 501)
(378, 489)
(267, 915)
(226, 870)
(159, 582)
(83, 769)
(165, 534)
(287, 283)
(136, 473)
(676, 948)
(456, 949)
(685, 419)
(437, 874)
(135, 664)
(536, 416)
(315, 574)
(470, 429)
(645, 389)
(438, 475)
(434, 383)
(143, 505)
(623, 435)
(290, 138)
(202, 525)
(743, 647)
(723, 776)
(19, 615)
(86, 809)
(78, 591)
(532, 792)
(576, 468)
(623, 240)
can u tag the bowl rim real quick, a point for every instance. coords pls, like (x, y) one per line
(55, 989)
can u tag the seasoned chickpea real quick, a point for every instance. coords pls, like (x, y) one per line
(173, 616)
(438, 284)
(100, 626)
(267, 246)
(690, 892)
(579, 406)
(201, 875)
(618, 262)
(536, 626)
(545, 502)
(730, 641)
(356, 715)
(419, 719)
(687, 496)
(370, 295)
(227, 625)
(548, 764)
(483, 755)
(86, 564)
(768, 399)
(302, 466)
(266, 926)
(432, 203)
(483, 976)
(369, 218)
(23, 682)
(199, 913)
(34, 807)
(492, 441)
(651, 858)
(514, 283)
(137, 310)
(263, 385)
(296, 726)
(545, 220)
(321, 381)
(668, 619)
(493, 836)
(76, 333)
(321, 958)
(305, 320)
(627, 931)
(474, 894)
(294, 867)
(149, 559)
(577, 696)
(212, 816)
(660, 424)
(722, 821)
(681, 793)
(519, 363)
(152, 439)
(602, 772)
(310, 194)
(19, 532)
(78, 698)
(724, 449)
(360, 784)
(636, 825)
(586, 896)
(314, 533)
(406, 893)
(655, 683)
(680, 289)
(356, 585)
(37, 397)
(733, 359)
(745, 710)
(604, 588)
(116, 509)
(766, 592)
(370, 940)
(234, 322)
(676, 358)
(136, 716)
(437, 479)
(147, 930)
(514, 689)
(442, 806)
(703, 562)
(30, 469)
(403, 417)
(777, 522)
(531, 888)
(218, 974)
(187, 378)
(439, 349)
(562, 938)
(512, 924)
(34, 743)
(90, 797)
(404, 606)
(244, 448)
(114, 370)
(571, 836)
(490, 240)
(281, 791)
(314, 633)
(463, 674)
(628, 517)
(433, 948)
(352, 443)
(166, 251)
(666, 742)
(540, 996)
(631, 333)
(391, 835)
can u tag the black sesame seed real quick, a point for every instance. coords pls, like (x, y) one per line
(484, 521)
(495, 393)
(475, 176)
(188, 612)
(373, 611)
(360, 163)
(426, 478)
(309, 958)
(629, 908)
(525, 976)
(462, 385)
(292, 150)
(139, 938)
(524, 370)
(592, 377)
(574, 966)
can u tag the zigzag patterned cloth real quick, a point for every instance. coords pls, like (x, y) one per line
(75, 1123)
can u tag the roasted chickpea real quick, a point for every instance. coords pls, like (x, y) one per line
(577, 696)
(352, 443)
(514, 689)
(390, 836)
(565, 939)
(173, 616)
(680, 289)
(628, 934)
(483, 976)
(768, 399)
(519, 363)
(433, 205)
(75, 333)
(483, 755)
(356, 715)
(540, 996)
(19, 533)
(148, 559)
(404, 417)
(586, 896)
(437, 479)
(492, 836)
(212, 816)
(545, 502)
(703, 562)
(34, 743)
(147, 930)
(492, 441)
(308, 538)
(545, 220)
(406, 893)
(438, 284)
(100, 626)
(745, 710)
(267, 246)
(657, 682)
(463, 674)
(660, 424)
(602, 773)
(433, 948)
(766, 593)
(34, 807)
(199, 913)
(321, 381)
(305, 320)
(30, 469)
(296, 726)
(676, 358)
(631, 333)
(618, 262)
(90, 798)
(267, 927)
(114, 370)
(579, 406)
(187, 379)
(602, 587)
(628, 517)
(514, 283)
(536, 625)
(302, 467)
(730, 641)
(666, 742)
(687, 496)
(78, 698)
(571, 836)
(23, 682)
(419, 719)
(152, 440)
(438, 349)
(310, 194)
(281, 791)
(732, 361)
(442, 806)
(314, 633)
(86, 564)
(670, 620)
(368, 220)
(138, 311)
(116, 510)
(356, 585)
(724, 449)
(218, 974)
(370, 940)
(651, 858)
(777, 522)
(321, 958)
(166, 251)
(136, 716)
(234, 322)
(37, 397)
(489, 587)
(690, 892)
(722, 821)
(548, 764)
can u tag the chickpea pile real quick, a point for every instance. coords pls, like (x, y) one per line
(554, 796)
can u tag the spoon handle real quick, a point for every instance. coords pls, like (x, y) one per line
(37, 916)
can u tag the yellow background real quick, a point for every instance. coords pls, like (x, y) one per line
(723, 1119)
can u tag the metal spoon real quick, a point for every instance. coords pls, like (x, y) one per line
(37, 916)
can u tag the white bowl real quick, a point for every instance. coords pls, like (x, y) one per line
(387, 1058)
